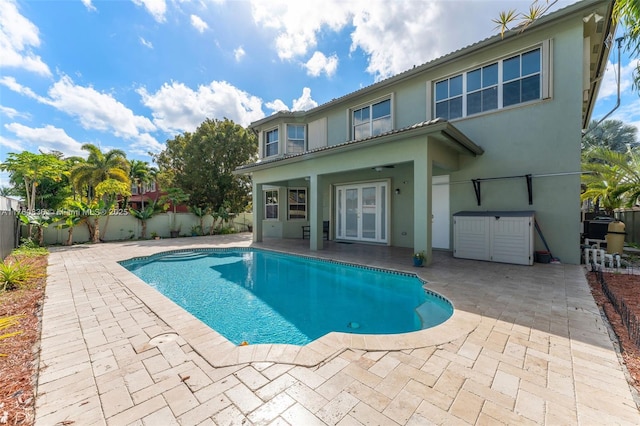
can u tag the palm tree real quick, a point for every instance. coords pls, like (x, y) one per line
(612, 134)
(613, 178)
(99, 167)
(143, 215)
(139, 174)
(201, 214)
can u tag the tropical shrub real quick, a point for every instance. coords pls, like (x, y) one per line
(12, 275)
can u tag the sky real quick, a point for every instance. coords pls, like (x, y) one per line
(132, 74)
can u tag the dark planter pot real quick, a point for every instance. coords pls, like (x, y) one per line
(417, 261)
(174, 234)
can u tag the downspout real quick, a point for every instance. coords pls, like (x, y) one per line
(619, 41)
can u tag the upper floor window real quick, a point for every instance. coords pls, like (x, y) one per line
(521, 78)
(149, 186)
(271, 143)
(506, 82)
(271, 204)
(449, 98)
(482, 89)
(295, 138)
(371, 120)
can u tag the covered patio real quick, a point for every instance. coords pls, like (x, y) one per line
(397, 168)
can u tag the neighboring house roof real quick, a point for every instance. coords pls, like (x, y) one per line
(597, 59)
(448, 133)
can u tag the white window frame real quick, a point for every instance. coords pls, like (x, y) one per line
(268, 202)
(267, 144)
(304, 203)
(289, 147)
(370, 123)
(149, 187)
(544, 78)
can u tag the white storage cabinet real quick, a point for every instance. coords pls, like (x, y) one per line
(496, 236)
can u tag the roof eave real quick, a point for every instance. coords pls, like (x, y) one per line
(453, 136)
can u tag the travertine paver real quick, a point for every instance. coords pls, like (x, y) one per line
(526, 345)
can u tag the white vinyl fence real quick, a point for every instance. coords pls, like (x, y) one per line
(126, 227)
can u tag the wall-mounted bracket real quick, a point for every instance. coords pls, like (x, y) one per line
(476, 186)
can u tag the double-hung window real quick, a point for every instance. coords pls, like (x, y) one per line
(482, 89)
(271, 143)
(521, 78)
(271, 204)
(297, 203)
(514, 80)
(295, 138)
(371, 120)
(449, 98)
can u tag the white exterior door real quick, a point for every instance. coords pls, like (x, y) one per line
(441, 223)
(362, 212)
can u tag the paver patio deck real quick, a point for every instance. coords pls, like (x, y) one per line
(527, 345)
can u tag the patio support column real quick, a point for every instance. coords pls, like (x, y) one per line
(258, 211)
(422, 220)
(315, 207)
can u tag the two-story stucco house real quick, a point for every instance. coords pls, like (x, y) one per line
(495, 126)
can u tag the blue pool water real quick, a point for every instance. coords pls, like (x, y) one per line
(260, 296)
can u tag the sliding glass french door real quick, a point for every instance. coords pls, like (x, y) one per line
(362, 211)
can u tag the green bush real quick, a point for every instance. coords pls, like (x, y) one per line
(12, 275)
(28, 247)
(227, 230)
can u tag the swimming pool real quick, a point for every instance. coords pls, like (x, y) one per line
(258, 296)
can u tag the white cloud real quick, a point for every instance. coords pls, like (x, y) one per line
(47, 138)
(90, 7)
(12, 112)
(198, 23)
(178, 108)
(304, 102)
(277, 106)
(319, 64)
(394, 35)
(157, 8)
(629, 109)
(609, 85)
(18, 36)
(12, 84)
(96, 110)
(12, 145)
(146, 43)
(239, 53)
(299, 22)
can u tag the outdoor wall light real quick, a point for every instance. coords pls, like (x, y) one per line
(398, 191)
